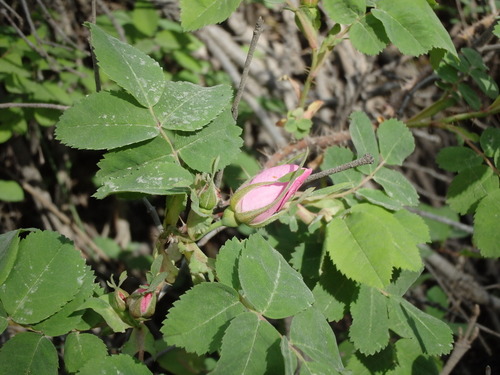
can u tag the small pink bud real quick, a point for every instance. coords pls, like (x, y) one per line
(141, 304)
(260, 198)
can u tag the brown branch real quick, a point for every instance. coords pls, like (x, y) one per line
(462, 345)
(65, 219)
(259, 27)
(320, 142)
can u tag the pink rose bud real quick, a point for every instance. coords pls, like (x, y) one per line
(258, 199)
(141, 305)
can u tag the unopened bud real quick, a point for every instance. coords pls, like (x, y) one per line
(141, 304)
(118, 302)
(209, 196)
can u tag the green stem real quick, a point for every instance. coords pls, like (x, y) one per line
(213, 226)
(309, 80)
(451, 119)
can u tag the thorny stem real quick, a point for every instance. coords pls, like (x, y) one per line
(259, 27)
(364, 181)
(366, 159)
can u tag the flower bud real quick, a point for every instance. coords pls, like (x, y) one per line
(257, 201)
(207, 193)
(141, 304)
(118, 301)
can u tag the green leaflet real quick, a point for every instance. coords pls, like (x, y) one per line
(102, 306)
(413, 26)
(368, 35)
(226, 264)
(130, 68)
(9, 245)
(219, 139)
(433, 335)
(55, 269)
(469, 186)
(490, 143)
(145, 17)
(28, 353)
(188, 107)
(201, 330)
(198, 13)
(363, 137)
(274, 288)
(396, 142)
(411, 360)
(486, 219)
(105, 121)
(379, 198)
(333, 292)
(313, 336)
(11, 191)
(397, 187)
(146, 167)
(70, 315)
(115, 364)
(458, 158)
(250, 346)
(368, 243)
(370, 326)
(344, 11)
(80, 348)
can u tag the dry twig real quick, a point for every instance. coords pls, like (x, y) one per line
(463, 344)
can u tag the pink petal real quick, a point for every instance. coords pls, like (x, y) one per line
(265, 195)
